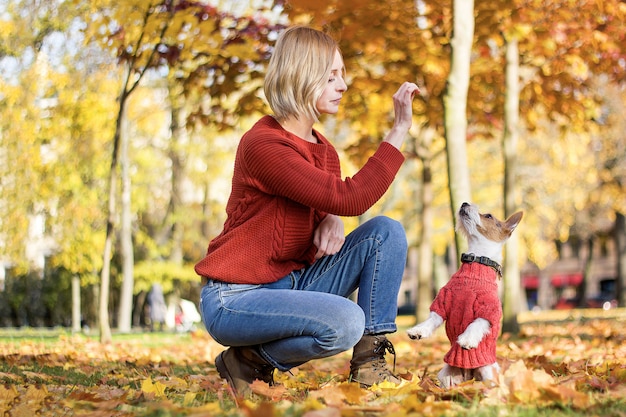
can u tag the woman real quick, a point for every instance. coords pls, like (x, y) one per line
(277, 278)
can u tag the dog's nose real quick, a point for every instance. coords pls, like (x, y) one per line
(465, 204)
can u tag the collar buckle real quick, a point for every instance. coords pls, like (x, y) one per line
(468, 258)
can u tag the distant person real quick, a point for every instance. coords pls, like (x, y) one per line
(277, 278)
(157, 307)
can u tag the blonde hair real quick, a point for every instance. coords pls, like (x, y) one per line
(298, 72)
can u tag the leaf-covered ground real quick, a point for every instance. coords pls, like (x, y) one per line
(575, 367)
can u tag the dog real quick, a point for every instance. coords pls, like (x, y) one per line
(469, 302)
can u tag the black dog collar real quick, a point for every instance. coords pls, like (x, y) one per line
(468, 258)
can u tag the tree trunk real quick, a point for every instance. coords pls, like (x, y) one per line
(514, 297)
(620, 243)
(455, 108)
(545, 292)
(105, 276)
(138, 311)
(76, 321)
(125, 313)
(425, 262)
(121, 135)
(176, 155)
(583, 290)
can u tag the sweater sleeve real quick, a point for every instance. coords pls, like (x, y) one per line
(282, 167)
(489, 307)
(440, 304)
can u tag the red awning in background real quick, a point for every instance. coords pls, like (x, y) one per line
(566, 280)
(530, 282)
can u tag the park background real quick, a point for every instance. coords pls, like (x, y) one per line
(119, 123)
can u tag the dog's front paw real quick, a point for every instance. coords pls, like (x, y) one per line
(426, 328)
(468, 341)
(474, 333)
(420, 331)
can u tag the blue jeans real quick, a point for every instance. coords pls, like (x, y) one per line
(307, 315)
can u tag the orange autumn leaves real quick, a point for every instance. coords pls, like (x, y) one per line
(577, 365)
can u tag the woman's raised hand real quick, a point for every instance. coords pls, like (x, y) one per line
(403, 109)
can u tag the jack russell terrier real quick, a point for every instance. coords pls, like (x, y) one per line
(469, 302)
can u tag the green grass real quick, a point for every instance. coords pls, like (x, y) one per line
(46, 374)
(52, 335)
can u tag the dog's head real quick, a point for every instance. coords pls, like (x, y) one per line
(484, 232)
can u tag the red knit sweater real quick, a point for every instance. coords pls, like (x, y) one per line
(282, 187)
(472, 292)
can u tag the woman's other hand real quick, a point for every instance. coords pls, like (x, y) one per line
(329, 236)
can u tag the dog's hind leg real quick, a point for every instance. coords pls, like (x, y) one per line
(450, 376)
(487, 372)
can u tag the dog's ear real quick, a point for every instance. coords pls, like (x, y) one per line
(513, 221)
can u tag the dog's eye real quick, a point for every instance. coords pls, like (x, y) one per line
(488, 216)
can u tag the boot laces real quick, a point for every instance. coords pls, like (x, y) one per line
(266, 373)
(383, 347)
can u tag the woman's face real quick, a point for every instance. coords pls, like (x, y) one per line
(328, 103)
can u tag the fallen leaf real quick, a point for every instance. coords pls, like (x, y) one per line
(36, 376)
(340, 395)
(325, 412)
(155, 388)
(566, 395)
(10, 377)
(8, 394)
(264, 389)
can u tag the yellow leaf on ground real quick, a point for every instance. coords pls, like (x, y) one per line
(208, 409)
(36, 376)
(340, 395)
(521, 385)
(6, 376)
(566, 395)
(176, 383)
(429, 406)
(31, 402)
(325, 412)
(8, 394)
(263, 388)
(189, 398)
(385, 385)
(311, 403)
(156, 388)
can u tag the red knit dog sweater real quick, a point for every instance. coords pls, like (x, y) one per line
(472, 292)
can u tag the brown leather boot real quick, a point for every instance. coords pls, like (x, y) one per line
(240, 366)
(368, 365)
